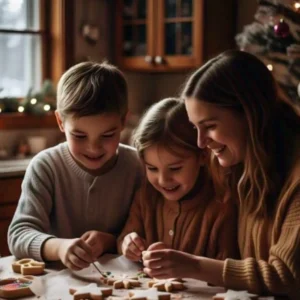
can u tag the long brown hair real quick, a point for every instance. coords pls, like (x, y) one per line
(239, 81)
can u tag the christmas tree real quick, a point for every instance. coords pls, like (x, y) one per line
(274, 37)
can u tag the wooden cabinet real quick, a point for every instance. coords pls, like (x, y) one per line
(10, 190)
(170, 35)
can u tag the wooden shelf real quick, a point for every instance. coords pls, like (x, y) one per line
(25, 121)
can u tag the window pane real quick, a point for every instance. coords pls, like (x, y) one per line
(20, 64)
(19, 14)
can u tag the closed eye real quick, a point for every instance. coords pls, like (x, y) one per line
(78, 136)
(209, 127)
(151, 169)
(175, 168)
(108, 135)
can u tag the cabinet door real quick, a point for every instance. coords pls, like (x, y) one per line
(10, 190)
(179, 34)
(135, 34)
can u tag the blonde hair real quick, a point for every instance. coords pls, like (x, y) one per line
(90, 88)
(239, 81)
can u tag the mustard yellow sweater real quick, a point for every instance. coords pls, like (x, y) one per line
(271, 248)
(200, 225)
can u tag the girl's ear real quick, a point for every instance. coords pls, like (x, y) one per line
(59, 121)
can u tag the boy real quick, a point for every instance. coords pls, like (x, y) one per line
(76, 196)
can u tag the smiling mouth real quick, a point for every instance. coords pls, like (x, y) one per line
(171, 189)
(94, 157)
(217, 151)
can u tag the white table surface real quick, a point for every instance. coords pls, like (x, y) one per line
(55, 283)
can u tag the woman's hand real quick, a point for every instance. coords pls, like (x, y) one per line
(168, 263)
(133, 246)
(75, 254)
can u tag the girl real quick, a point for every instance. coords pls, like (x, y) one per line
(177, 206)
(233, 103)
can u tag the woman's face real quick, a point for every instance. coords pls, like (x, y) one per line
(221, 130)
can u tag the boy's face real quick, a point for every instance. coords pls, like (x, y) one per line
(93, 140)
(172, 175)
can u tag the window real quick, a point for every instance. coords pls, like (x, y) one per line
(21, 36)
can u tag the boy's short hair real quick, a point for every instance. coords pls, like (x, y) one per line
(91, 88)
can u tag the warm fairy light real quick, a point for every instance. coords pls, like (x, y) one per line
(0, 110)
(21, 109)
(297, 5)
(47, 107)
(270, 67)
(33, 101)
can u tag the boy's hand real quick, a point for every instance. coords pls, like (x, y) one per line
(75, 254)
(95, 239)
(133, 246)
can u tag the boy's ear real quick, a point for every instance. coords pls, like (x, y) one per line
(124, 120)
(59, 121)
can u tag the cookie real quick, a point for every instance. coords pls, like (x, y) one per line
(90, 291)
(235, 295)
(11, 288)
(167, 285)
(28, 266)
(150, 294)
(123, 282)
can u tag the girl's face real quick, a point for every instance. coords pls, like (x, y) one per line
(93, 140)
(221, 130)
(172, 175)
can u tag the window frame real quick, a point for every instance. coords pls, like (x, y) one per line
(56, 18)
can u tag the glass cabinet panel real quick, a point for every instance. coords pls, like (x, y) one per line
(134, 27)
(178, 27)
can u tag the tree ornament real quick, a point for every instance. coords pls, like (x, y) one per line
(282, 29)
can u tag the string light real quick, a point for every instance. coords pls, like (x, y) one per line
(33, 101)
(21, 109)
(297, 5)
(0, 110)
(47, 107)
(270, 67)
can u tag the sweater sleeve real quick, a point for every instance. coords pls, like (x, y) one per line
(134, 222)
(31, 224)
(280, 275)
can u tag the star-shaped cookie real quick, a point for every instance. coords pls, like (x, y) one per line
(90, 291)
(123, 282)
(167, 285)
(150, 294)
(235, 295)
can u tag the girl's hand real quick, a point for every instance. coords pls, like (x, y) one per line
(133, 246)
(157, 246)
(168, 263)
(75, 254)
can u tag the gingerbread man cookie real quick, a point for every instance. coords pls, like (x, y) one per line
(11, 288)
(150, 294)
(28, 266)
(90, 291)
(235, 295)
(123, 282)
(167, 285)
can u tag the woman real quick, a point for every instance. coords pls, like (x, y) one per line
(254, 142)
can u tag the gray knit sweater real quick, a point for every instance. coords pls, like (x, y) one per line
(59, 199)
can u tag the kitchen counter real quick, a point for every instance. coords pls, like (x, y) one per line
(14, 167)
